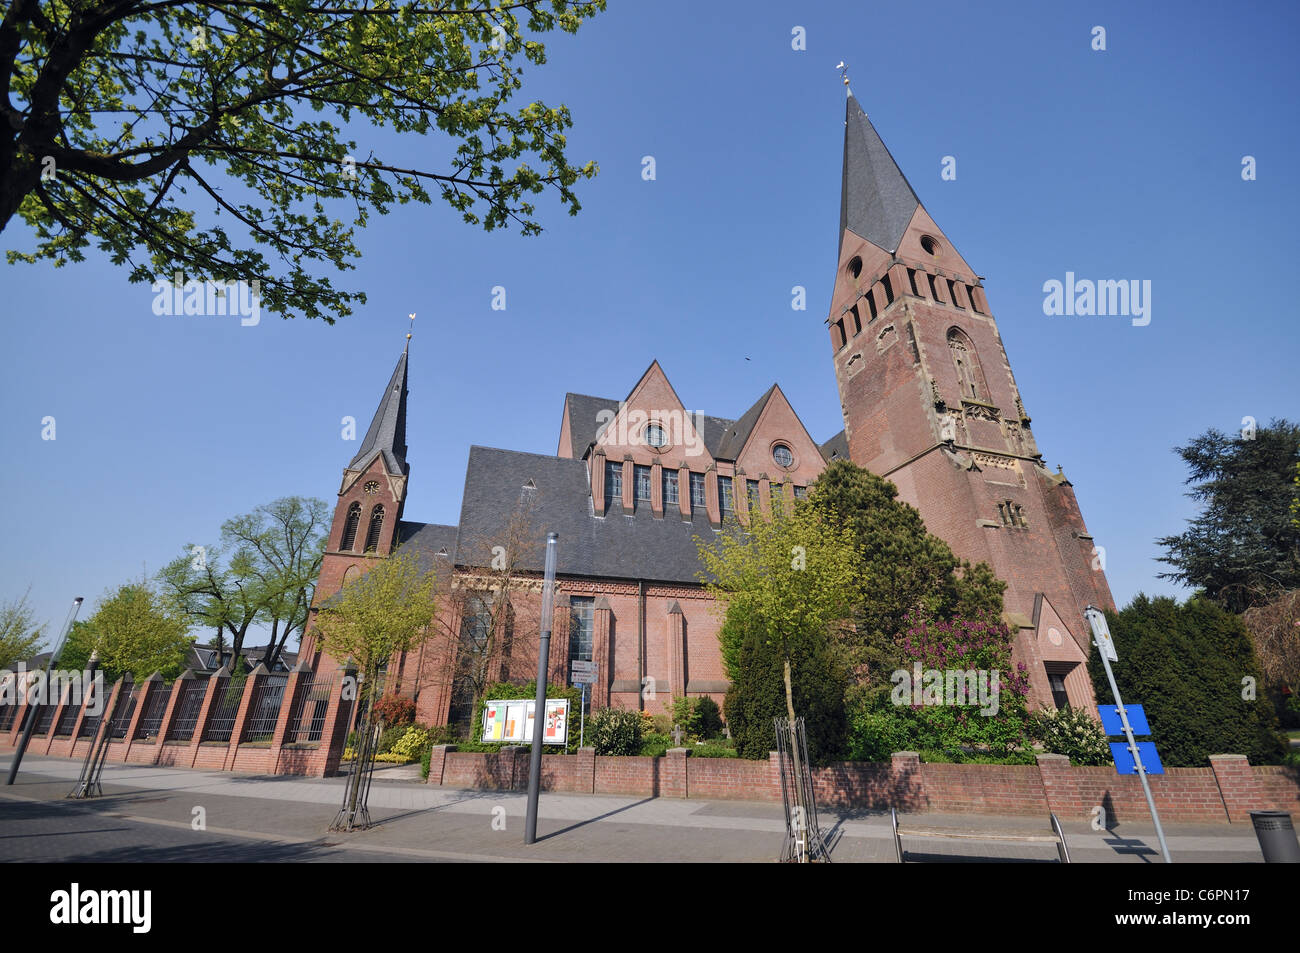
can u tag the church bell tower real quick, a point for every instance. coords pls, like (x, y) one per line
(930, 403)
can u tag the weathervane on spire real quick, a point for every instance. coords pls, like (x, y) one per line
(408, 333)
(844, 75)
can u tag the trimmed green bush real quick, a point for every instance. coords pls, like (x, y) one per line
(1185, 665)
(615, 731)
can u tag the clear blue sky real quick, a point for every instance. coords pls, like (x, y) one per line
(1117, 164)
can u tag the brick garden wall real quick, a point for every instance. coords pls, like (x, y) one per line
(1225, 792)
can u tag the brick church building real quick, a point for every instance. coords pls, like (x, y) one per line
(929, 402)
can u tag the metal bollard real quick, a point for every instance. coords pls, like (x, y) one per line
(1277, 837)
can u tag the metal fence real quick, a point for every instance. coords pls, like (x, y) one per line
(67, 718)
(230, 691)
(264, 708)
(188, 704)
(155, 709)
(44, 718)
(7, 713)
(121, 720)
(307, 719)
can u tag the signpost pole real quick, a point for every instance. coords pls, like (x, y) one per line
(582, 718)
(539, 716)
(1106, 648)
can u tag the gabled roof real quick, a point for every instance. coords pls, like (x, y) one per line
(387, 433)
(634, 546)
(876, 200)
(734, 437)
(583, 413)
(837, 448)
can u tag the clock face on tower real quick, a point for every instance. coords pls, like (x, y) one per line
(371, 487)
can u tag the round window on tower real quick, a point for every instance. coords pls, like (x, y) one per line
(782, 455)
(655, 436)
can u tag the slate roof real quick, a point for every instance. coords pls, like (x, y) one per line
(735, 436)
(636, 546)
(837, 448)
(387, 433)
(583, 413)
(876, 200)
(428, 540)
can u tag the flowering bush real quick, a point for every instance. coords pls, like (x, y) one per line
(930, 708)
(393, 710)
(1073, 733)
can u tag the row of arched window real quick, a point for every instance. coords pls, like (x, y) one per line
(353, 523)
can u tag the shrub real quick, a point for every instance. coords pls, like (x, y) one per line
(684, 717)
(615, 731)
(390, 737)
(648, 726)
(412, 744)
(1072, 732)
(655, 746)
(874, 735)
(424, 762)
(708, 717)
(713, 749)
(1184, 664)
(394, 710)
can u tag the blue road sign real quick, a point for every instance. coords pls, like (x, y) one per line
(1137, 719)
(1124, 763)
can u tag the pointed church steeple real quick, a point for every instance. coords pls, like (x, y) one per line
(387, 434)
(876, 200)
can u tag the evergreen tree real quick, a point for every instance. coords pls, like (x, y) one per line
(1185, 664)
(1244, 547)
(905, 569)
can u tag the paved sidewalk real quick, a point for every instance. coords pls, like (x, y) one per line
(148, 814)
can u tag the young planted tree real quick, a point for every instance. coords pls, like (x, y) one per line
(386, 611)
(125, 120)
(20, 634)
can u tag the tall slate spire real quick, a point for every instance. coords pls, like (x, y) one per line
(387, 433)
(876, 201)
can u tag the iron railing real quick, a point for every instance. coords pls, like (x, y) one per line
(155, 709)
(307, 719)
(264, 708)
(230, 691)
(121, 720)
(188, 704)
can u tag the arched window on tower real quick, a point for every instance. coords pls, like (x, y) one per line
(350, 528)
(970, 378)
(376, 524)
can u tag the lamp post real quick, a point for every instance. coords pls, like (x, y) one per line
(31, 717)
(539, 709)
